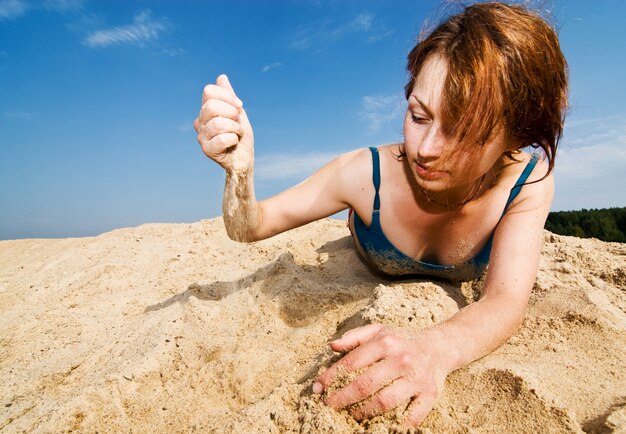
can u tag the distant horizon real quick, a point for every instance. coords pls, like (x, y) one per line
(98, 100)
(342, 216)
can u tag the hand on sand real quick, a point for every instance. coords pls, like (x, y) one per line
(224, 131)
(398, 365)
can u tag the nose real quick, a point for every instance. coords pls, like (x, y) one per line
(432, 144)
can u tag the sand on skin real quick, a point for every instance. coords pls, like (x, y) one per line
(169, 327)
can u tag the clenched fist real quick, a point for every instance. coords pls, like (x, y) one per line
(224, 131)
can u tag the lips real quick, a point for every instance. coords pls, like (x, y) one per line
(428, 173)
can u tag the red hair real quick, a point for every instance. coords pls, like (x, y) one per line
(505, 70)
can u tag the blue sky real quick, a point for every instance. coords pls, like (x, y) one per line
(97, 100)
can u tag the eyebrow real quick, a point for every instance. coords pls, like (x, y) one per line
(424, 106)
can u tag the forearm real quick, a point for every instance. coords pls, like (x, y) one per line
(480, 328)
(242, 213)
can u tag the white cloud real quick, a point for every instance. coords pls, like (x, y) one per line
(362, 22)
(290, 166)
(143, 29)
(11, 9)
(324, 31)
(173, 52)
(271, 66)
(590, 168)
(382, 110)
(18, 115)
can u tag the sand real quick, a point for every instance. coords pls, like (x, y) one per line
(176, 328)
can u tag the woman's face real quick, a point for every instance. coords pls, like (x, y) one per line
(427, 147)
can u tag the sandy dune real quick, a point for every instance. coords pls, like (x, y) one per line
(176, 328)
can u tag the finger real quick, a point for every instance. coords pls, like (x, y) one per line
(418, 409)
(216, 108)
(218, 144)
(355, 337)
(386, 399)
(220, 125)
(363, 386)
(359, 358)
(224, 82)
(213, 91)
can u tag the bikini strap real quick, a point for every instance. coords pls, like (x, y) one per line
(521, 180)
(376, 175)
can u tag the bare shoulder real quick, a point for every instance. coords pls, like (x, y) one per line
(538, 189)
(351, 170)
(356, 179)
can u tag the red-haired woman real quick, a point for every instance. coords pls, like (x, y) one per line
(457, 199)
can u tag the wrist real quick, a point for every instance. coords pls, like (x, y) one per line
(444, 349)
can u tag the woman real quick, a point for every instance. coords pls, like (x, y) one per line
(457, 199)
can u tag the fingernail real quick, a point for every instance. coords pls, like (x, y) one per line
(318, 388)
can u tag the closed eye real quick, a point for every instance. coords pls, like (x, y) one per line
(418, 119)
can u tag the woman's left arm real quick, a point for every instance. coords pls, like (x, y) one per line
(483, 326)
(401, 364)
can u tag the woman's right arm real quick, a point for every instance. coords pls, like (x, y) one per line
(225, 134)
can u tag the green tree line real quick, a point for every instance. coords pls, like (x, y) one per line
(604, 224)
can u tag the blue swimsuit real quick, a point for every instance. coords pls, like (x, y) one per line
(387, 258)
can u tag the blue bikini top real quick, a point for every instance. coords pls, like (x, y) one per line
(387, 258)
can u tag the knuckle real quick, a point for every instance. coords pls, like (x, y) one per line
(216, 126)
(212, 106)
(211, 124)
(405, 361)
(388, 341)
(348, 363)
(362, 385)
(201, 139)
(384, 401)
(216, 142)
(223, 140)
(203, 133)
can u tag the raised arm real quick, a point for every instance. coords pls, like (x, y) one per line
(225, 135)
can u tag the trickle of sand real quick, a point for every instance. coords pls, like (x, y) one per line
(241, 213)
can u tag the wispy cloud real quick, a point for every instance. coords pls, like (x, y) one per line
(324, 31)
(290, 166)
(381, 110)
(605, 129)
(173, 52)
(18, 115)
(11, 9)
(589, 169)
(271, 66)
(144, 29)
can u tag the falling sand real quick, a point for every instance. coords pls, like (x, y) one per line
(176, 328)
